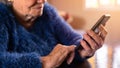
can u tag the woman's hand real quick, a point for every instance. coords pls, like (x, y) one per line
(58, 55)
(92, 42)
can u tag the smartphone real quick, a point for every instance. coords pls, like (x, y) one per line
(102, 21)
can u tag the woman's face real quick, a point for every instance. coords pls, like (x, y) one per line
(31, 7)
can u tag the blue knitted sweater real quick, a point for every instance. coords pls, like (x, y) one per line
(22, 48)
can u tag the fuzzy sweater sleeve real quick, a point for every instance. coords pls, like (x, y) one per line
(12, 59)
(15, 60)
(63, 31)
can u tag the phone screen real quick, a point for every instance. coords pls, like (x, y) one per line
(102, 21)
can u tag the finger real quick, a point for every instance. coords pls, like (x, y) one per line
(57, 54)
(61, 55)
(91, 42)
(71, 48)
(56, 49)
(65, 51)
(84, 53)
(85, 46)
(95, 37)
(103, 32)
(71, 57)
(71, 53)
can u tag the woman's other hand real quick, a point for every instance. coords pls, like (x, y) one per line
(58, 55)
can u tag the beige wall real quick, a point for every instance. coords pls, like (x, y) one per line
(76, 8)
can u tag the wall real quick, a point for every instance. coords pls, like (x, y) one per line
(76, 8)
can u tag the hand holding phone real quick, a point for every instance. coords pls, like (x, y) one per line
(102, 21)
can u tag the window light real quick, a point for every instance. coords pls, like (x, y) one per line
(91, 4)
(107, 4)
(118, 2)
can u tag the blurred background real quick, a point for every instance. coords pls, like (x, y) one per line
(83, 14)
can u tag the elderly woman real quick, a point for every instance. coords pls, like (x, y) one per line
(33, 35)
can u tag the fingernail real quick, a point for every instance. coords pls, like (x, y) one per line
(69, 62)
